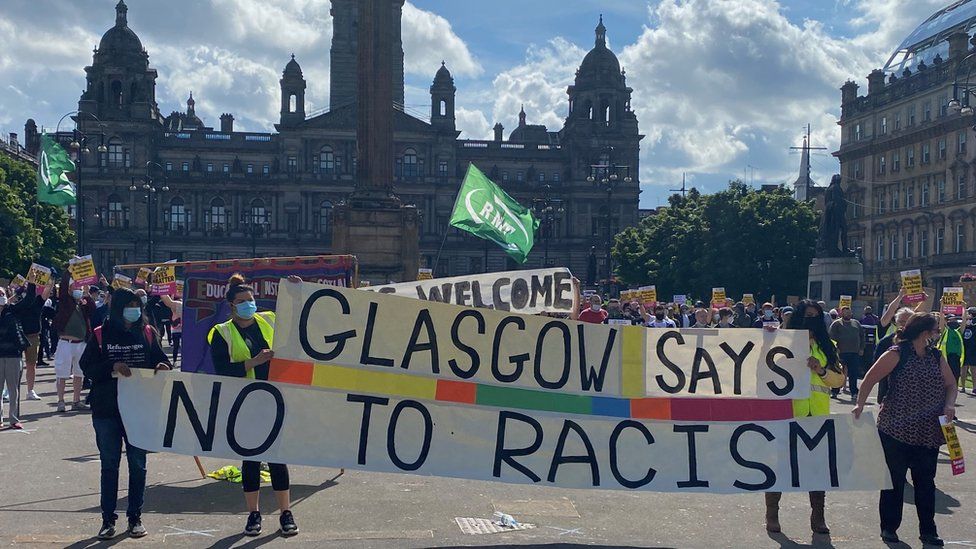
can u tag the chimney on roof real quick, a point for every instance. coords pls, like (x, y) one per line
(499, 129)
(13, 141)
(848, 92)
(227, 123)
(876, 81)
(958, 45)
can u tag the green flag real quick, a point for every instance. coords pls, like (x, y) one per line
(53, 166)
(483, 209)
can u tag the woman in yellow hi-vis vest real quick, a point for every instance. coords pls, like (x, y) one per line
(825, 374)
(241, 347)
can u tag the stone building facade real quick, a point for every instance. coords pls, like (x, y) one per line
(238, 194)
(908, 155)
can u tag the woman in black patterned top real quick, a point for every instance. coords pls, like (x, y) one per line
(921, 387)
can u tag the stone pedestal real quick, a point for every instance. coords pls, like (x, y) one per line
(385, 239)
(831, 277)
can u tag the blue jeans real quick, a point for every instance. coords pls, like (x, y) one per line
(109, 435)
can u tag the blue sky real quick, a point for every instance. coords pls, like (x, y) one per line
(722, 88)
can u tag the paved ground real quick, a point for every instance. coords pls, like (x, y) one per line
(49, 497)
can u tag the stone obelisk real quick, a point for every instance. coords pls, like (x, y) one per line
(373, 224)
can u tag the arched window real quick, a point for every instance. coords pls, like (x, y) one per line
(292, 103)
(443, 107)
(325, 218)
(260, 216)
(115, 213)
(327, 160)
(410, 163)
(116, 155)
(179, 220)
(218, 215)
(117, 93)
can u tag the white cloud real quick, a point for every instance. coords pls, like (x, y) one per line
(472, 123)
(429, 39)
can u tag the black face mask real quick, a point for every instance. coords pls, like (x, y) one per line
(659, 316)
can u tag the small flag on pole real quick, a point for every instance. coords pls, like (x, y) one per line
(485, 210)
(53, 166)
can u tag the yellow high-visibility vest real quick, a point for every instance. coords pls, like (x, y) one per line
(239, 352)
(819, 402)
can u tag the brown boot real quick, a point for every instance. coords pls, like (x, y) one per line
(772, 512)
(818, 523)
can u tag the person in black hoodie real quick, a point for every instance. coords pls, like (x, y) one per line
(122, 343)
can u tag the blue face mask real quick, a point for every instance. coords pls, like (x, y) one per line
(246, 309)
(131, 314)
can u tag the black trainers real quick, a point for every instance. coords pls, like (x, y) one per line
(288, 526)
(136, 529)
(108, 530)
(253, 527)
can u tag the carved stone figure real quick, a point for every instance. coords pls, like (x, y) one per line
(832, 241)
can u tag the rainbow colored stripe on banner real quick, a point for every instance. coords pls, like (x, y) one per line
(402, 385)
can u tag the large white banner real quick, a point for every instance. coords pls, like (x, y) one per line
(526, 292)
(234, 418)
(367, 330)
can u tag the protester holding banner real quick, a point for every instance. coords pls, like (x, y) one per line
(122, 343)
(921, 388)
(73, 323)
(241, 347)
(825, 374)
(13, 341)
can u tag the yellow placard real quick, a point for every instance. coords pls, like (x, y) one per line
(952, 301)
(18, 281)
(143, 275)
(748, 298)
(952, 445)
(911, 282)
(39, 274)
(845, 301)
(718, 297)
(425, 274)
(82, 271)
(648, 294)
(121, 281)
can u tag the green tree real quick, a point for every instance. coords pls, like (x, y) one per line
(49, 240)
(748, 241)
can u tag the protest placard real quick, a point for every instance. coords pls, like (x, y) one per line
(143, 276)
(845, 301)
(164, 280)
(120, 280)
(748, 298)
(39, 274)
(718, 297)
(179, 288)
(911, 282)
(451, 432)
(679, 299)
(953, 446)
(82, 271)
(526, 292)
(18, 282)
(425, 274)
(952, 301)
(648, 295)
(319, 325)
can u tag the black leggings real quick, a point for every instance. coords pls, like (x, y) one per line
(251, 476)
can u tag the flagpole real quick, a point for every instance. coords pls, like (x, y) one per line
(438, 257)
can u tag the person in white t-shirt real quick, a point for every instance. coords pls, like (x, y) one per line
(660, 318)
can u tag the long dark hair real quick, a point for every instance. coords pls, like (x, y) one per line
(918, 324)
(816, 325)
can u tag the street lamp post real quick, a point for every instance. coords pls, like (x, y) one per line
(150, 196)
(605, 176)
(548, 210)
(79, 147)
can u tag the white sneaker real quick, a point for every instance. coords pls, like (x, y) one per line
(32, 396)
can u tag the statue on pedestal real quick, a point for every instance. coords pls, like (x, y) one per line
(832, 239)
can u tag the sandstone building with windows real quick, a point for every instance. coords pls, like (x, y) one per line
(908, 156)
(235, 194)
